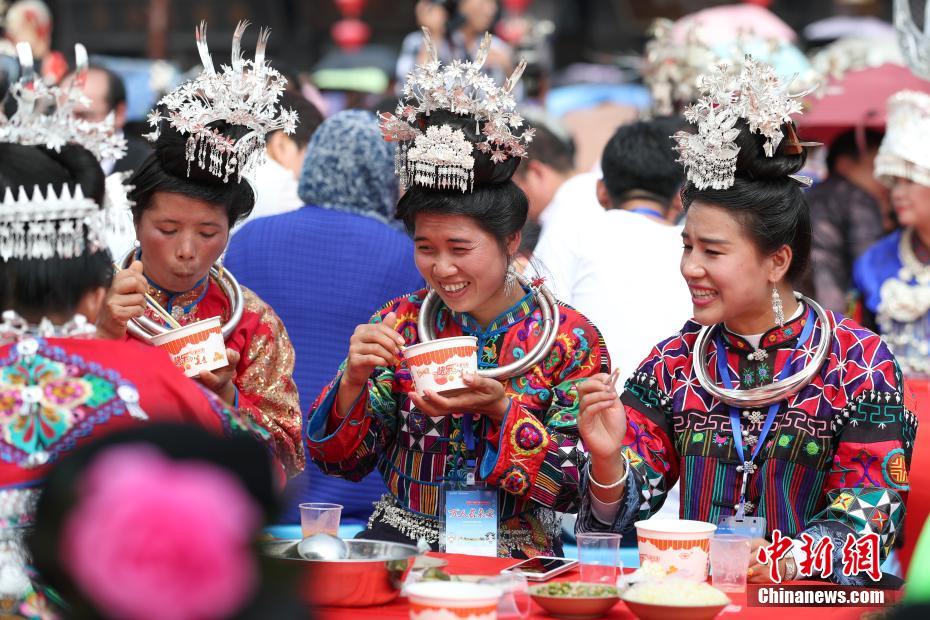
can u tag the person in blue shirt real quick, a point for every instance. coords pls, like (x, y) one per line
(325, 265)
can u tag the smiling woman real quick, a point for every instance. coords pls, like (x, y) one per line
(515, 433)
(764, 404)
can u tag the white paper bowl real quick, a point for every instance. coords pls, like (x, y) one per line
(452, 600)
(680, 546)
(438, 366)
(195, 347)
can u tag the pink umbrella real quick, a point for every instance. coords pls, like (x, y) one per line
(858, 99)
(722, 24)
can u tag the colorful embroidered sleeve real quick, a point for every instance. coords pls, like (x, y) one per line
(264, 380)
(538, 454)
(866, 489)
(349, 447)
(648, 446)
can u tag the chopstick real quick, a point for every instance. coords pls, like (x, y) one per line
(154, 305)
(614, 377)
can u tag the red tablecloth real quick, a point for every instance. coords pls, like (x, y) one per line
(471, 565)
(918, 501)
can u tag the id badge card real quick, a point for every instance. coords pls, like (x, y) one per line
(471, 521)
(753, 527)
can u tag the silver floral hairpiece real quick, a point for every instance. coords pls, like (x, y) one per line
(45, 115)
(49, 225)
(245, 93)
(754, 95)
(442, 157)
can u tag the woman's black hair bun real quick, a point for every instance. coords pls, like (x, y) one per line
(753, 164)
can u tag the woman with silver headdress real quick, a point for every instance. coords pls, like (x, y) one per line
(60, 386)
(187, 196)
(764, 404)
(893, 276)
(513, 429)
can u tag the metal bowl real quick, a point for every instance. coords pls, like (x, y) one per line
(372, 574)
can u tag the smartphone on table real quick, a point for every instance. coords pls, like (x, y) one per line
(542, 568)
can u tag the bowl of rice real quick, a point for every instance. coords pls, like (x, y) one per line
(674, 599)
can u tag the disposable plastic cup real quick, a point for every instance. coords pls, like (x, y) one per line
(316, 518)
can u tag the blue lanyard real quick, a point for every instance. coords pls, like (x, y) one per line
(736, 427)
(469, 432)
(647, 211)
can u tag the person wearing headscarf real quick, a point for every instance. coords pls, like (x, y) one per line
(187, 197)
(325, 265)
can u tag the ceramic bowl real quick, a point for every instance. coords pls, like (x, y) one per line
(572, 606)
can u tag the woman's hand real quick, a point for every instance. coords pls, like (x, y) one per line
(220, 381)
(371, 345)
(124, 301)
(761, 573)
(484, 396)
(601, 418)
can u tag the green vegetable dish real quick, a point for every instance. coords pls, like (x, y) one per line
(575, 590)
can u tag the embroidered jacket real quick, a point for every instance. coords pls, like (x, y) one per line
(264, 382)
(65, 392)
(910, 340)
(533, 457)
(835, 461)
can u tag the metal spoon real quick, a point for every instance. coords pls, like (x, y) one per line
(323, 546)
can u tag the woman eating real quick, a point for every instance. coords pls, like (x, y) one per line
(764, 404)
(187, 196)
(514, 429)
(60, 387)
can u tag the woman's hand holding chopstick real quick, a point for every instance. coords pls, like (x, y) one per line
(124, 301)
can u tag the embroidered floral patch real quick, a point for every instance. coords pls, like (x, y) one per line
(515, 480)
(49, 398)
(528, 436)
(417, 423)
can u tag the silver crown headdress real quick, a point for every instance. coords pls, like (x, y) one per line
(915, 44)
(244, 93)
(441, 157)
(49, 225)
(45, 115)
(756, 96)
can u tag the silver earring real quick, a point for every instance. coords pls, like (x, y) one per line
(510, 279)
(777, 308)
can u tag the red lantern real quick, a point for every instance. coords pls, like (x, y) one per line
(350, 34)
(517, 7)
(511, 29)
(350, 8)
